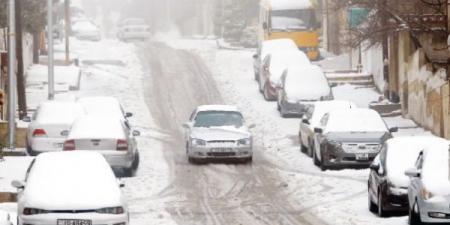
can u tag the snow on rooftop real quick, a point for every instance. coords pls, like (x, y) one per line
(355, 120)
(71, 181)
(97, 127)
(217, 108)
(57, 112)
(402, 154)
(306, 83)
(290, 4)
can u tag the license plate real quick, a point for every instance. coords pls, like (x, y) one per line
(362, 157)
(74, 222)
(221, 150)
(58, 145)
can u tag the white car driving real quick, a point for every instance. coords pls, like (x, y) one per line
(67, 188)
(218, 132)
(133, 29)
(50, 126)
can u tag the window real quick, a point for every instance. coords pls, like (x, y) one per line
(296, 19)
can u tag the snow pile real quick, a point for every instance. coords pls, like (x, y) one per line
(5, 218)
(306, 83)
(402, 154)
(436, 166)
(355, 120)
(79, 180)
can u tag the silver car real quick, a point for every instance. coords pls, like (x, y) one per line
(429, 189)
(218, 132)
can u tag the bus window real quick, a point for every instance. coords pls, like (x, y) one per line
(293, 19)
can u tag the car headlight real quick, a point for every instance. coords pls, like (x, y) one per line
(335, 144)
(245, 141)
(111, 210)
(198, 142)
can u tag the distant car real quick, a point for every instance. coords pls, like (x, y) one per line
(63, 188)
(86, 30)
(133, 29)
(50, 126)
(266, 47)
(311, 120)
(429, 189)
(103, 106)
(273, 66)
(388, 184)
(109, 136)
(218, 132)
(300, 87)
(349, 137)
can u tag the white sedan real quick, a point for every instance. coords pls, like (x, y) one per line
(65, 188)
(218, 132)
(50, 126)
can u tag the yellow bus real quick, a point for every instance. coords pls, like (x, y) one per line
(293, 19)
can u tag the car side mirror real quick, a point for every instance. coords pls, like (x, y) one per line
(26, 119)
(128, 114)
(136, 133)
(413, 172)
(318, 130)
(306, 121)
(375, 167)
(255, 56)
(18, 184)
(393, 129)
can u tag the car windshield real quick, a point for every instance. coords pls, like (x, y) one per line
(218, 118)
(298, 19)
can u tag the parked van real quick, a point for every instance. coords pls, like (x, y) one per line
(293, 19)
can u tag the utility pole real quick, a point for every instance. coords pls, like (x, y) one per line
(51, 86)
(11, 75)
(67, 29)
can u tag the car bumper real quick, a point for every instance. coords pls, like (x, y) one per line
(431, 207)
(342, 159)
(230, 153)
(96, 218)
(40, 145)
(119, 160)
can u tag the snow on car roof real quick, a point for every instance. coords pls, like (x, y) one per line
(217, 108)
(58, 112)
(280, 60)
(290, 4)
(355, 120)
(306, 83)
(71, 181)
(102, 106)
(323, 107)
(402, 154)
(97, 127)
(435, 170)
(277, 45)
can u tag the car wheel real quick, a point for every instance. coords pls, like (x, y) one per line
(128, 172)
(315, 159)
(192, 160)
(322, 165)
(372, 206)
(136, 161)
(380, 210)
(414, 217)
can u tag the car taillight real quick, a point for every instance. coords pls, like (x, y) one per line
(69, 145)
(111, 210)
(39, 133)
(122, 145)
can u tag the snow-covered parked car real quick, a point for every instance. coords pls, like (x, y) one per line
(218, 132)
(103, 106)
(5, 218)
(133, 29)
(109, 136)
(50, 126)
(86, 30)
(273, 67)
(266, 47)
(387, 183)
(67, 188)
(311, 120)
(349, 137)
(429, 189)
(300, 87)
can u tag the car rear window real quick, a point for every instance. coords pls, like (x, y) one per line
(218, 118)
